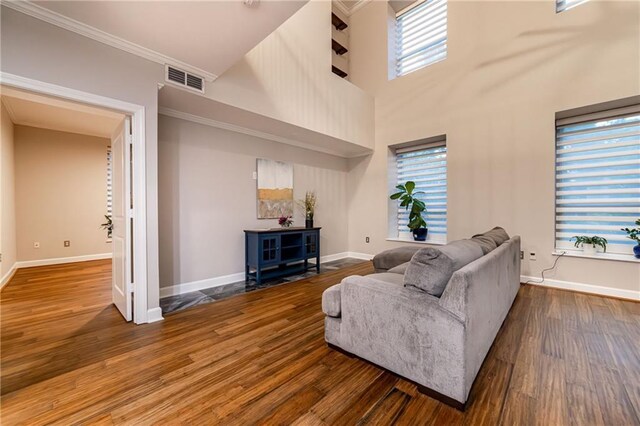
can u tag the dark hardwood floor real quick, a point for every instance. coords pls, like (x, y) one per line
(260, 358)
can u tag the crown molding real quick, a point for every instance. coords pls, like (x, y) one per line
(93, 33)
(340, 4)
(244, 130)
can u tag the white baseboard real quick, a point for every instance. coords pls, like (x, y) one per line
(239, 276)
(361, 256)
(61, 260)
(201, 284)
(7, 277)
(584, 288)
(154, 315)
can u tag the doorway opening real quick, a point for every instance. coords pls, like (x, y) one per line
(74, 196)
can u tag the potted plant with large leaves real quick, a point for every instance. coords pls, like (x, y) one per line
(416, 207)
(634, 234)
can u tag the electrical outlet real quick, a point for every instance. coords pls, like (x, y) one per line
(366, 240)
(532, 256)
(67, 243)
(36, 245)
(521, 254)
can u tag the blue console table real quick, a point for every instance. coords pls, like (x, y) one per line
(275, 253)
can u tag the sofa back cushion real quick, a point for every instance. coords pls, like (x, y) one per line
(431, 268)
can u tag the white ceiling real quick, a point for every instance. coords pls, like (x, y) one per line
(210, 35)
(34, 110)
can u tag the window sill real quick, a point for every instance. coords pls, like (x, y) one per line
(599, 256)
(429, 243)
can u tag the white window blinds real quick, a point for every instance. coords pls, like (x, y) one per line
(109, 182)
(562, 5)
(598, 177)
(426, 166)
(421, 36)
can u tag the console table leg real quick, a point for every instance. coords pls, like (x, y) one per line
(258, 277)
(318, 263)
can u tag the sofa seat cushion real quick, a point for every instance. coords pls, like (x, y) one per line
(400, 269)
(431, 268)
(388, 259)
(331, 303)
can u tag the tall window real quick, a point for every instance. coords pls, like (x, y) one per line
(109, 182)
(562, 5)
(426, 165)
(598, 177)
(421, 36)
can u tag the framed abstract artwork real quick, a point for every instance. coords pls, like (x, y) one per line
(275, 189)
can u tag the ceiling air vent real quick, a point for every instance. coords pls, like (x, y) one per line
(183, 78)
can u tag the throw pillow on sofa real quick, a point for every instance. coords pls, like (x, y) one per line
(491, 239)
(431, 268)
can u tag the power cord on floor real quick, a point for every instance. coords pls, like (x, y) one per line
(546, 270)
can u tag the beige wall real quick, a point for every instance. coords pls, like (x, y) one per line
(7, 194)
(288, 77)
(61, 193)
(511, 66)
(208, 196)
(34, 49)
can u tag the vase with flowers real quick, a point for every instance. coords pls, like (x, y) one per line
(308, 205)
(285, 221)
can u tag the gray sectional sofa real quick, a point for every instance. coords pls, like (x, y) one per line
(433, 319)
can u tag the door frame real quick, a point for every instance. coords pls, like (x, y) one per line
(139, 177)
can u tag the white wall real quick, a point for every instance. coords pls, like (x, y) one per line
(61, 193)
(511, 66)
(7, 195)
(288, 77)
(208, 196)
(34, 49)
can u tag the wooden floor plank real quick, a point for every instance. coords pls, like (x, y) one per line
(260, 358)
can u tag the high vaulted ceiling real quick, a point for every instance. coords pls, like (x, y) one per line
(208, 35)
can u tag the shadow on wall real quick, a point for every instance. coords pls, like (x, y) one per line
(446, 83)
(563, 39)
(169, 203)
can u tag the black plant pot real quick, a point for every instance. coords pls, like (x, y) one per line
(420, 234)
(308, 223)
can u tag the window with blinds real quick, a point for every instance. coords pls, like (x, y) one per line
(562, 5)
(421, 36)
(598, 177)
(109, 182)
(426, 165)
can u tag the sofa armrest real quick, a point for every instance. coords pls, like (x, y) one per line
(391, 258)
(331, 303)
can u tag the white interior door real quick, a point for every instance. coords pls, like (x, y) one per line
(121, 235)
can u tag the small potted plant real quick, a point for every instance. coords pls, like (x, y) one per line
(308, 205)
(108, 226)
(408, 200)
(285, 221)
(590, 244)
(634, 234)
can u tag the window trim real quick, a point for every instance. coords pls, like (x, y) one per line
(433, 32)
(602, 111)
(393, 208)
(571, 6)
